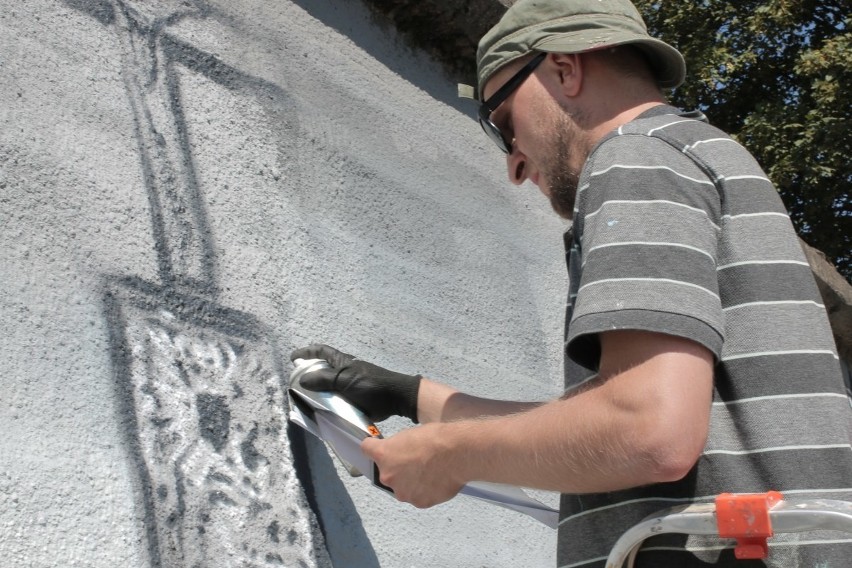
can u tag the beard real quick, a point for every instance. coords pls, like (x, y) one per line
(563, 190)
(561, 178)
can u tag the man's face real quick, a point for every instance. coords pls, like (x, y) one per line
(546, 140)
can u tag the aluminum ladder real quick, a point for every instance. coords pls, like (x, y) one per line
(750, 518)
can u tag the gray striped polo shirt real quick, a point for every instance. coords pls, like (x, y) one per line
(678, 230)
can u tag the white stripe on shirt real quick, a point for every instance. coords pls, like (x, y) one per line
(635, 167)
(777, 449)
(649, 202)
(647, 243)
(709, 140)
(774, 303)
(665, 280)
(669, 124)
(773, 353)
(764, 214)
(759, 262)
(736, 178)
(779, 397)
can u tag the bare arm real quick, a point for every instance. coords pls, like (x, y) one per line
(643, 420)
(437, 402)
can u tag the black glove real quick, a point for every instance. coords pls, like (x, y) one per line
(379, 393)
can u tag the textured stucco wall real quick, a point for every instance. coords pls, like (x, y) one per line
(188, 190)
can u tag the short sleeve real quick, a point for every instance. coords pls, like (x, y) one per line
(646, 233)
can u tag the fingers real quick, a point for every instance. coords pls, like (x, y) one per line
(401, 467)
(370, 446)
(319, 351)
(319, 380)
(314, 351)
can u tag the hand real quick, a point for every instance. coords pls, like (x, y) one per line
(379, 393)
(417, 464)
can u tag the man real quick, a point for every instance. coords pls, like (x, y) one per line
(698, 355)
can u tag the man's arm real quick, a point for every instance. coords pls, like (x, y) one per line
(437, 402)
(643, 420)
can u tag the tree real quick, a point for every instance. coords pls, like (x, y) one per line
(776, 75)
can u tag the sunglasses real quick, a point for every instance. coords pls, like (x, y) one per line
(489, 106)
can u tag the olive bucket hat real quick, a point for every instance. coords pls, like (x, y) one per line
(573, 26)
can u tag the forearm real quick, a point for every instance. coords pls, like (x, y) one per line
(543, 447)
(644, 420)
(644, 423)
(548, 448)
(437, 402)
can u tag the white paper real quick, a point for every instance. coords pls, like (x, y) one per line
(297, 417)
(514, 498)
(347, 446)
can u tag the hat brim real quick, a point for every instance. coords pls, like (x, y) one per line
(666, 62)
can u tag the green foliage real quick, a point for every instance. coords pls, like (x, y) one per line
(777, 75)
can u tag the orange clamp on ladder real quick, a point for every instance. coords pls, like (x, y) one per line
(745, 517)
(749, 518)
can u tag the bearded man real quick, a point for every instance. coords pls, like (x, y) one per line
(695, 334)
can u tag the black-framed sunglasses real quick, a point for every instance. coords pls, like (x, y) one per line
(489, 106)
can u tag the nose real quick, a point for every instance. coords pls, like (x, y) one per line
(516, 164)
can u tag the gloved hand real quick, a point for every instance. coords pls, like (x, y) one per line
(379, 393)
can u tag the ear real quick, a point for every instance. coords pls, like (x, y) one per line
(569, 67)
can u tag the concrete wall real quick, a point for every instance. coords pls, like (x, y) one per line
(190, 189)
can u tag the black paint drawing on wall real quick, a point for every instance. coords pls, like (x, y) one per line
(202, 396)
(223, 476)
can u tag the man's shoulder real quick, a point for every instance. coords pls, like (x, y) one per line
(661, 135)
(670, 124)
(667, 135)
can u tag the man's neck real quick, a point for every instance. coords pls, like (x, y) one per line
(606, 126)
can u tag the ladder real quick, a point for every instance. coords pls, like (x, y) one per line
(750, 518)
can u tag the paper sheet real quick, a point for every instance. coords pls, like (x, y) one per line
(345, 440)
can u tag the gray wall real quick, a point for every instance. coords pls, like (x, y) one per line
(188, 190)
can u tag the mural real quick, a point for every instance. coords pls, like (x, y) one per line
(223, 478)
(206, 417)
